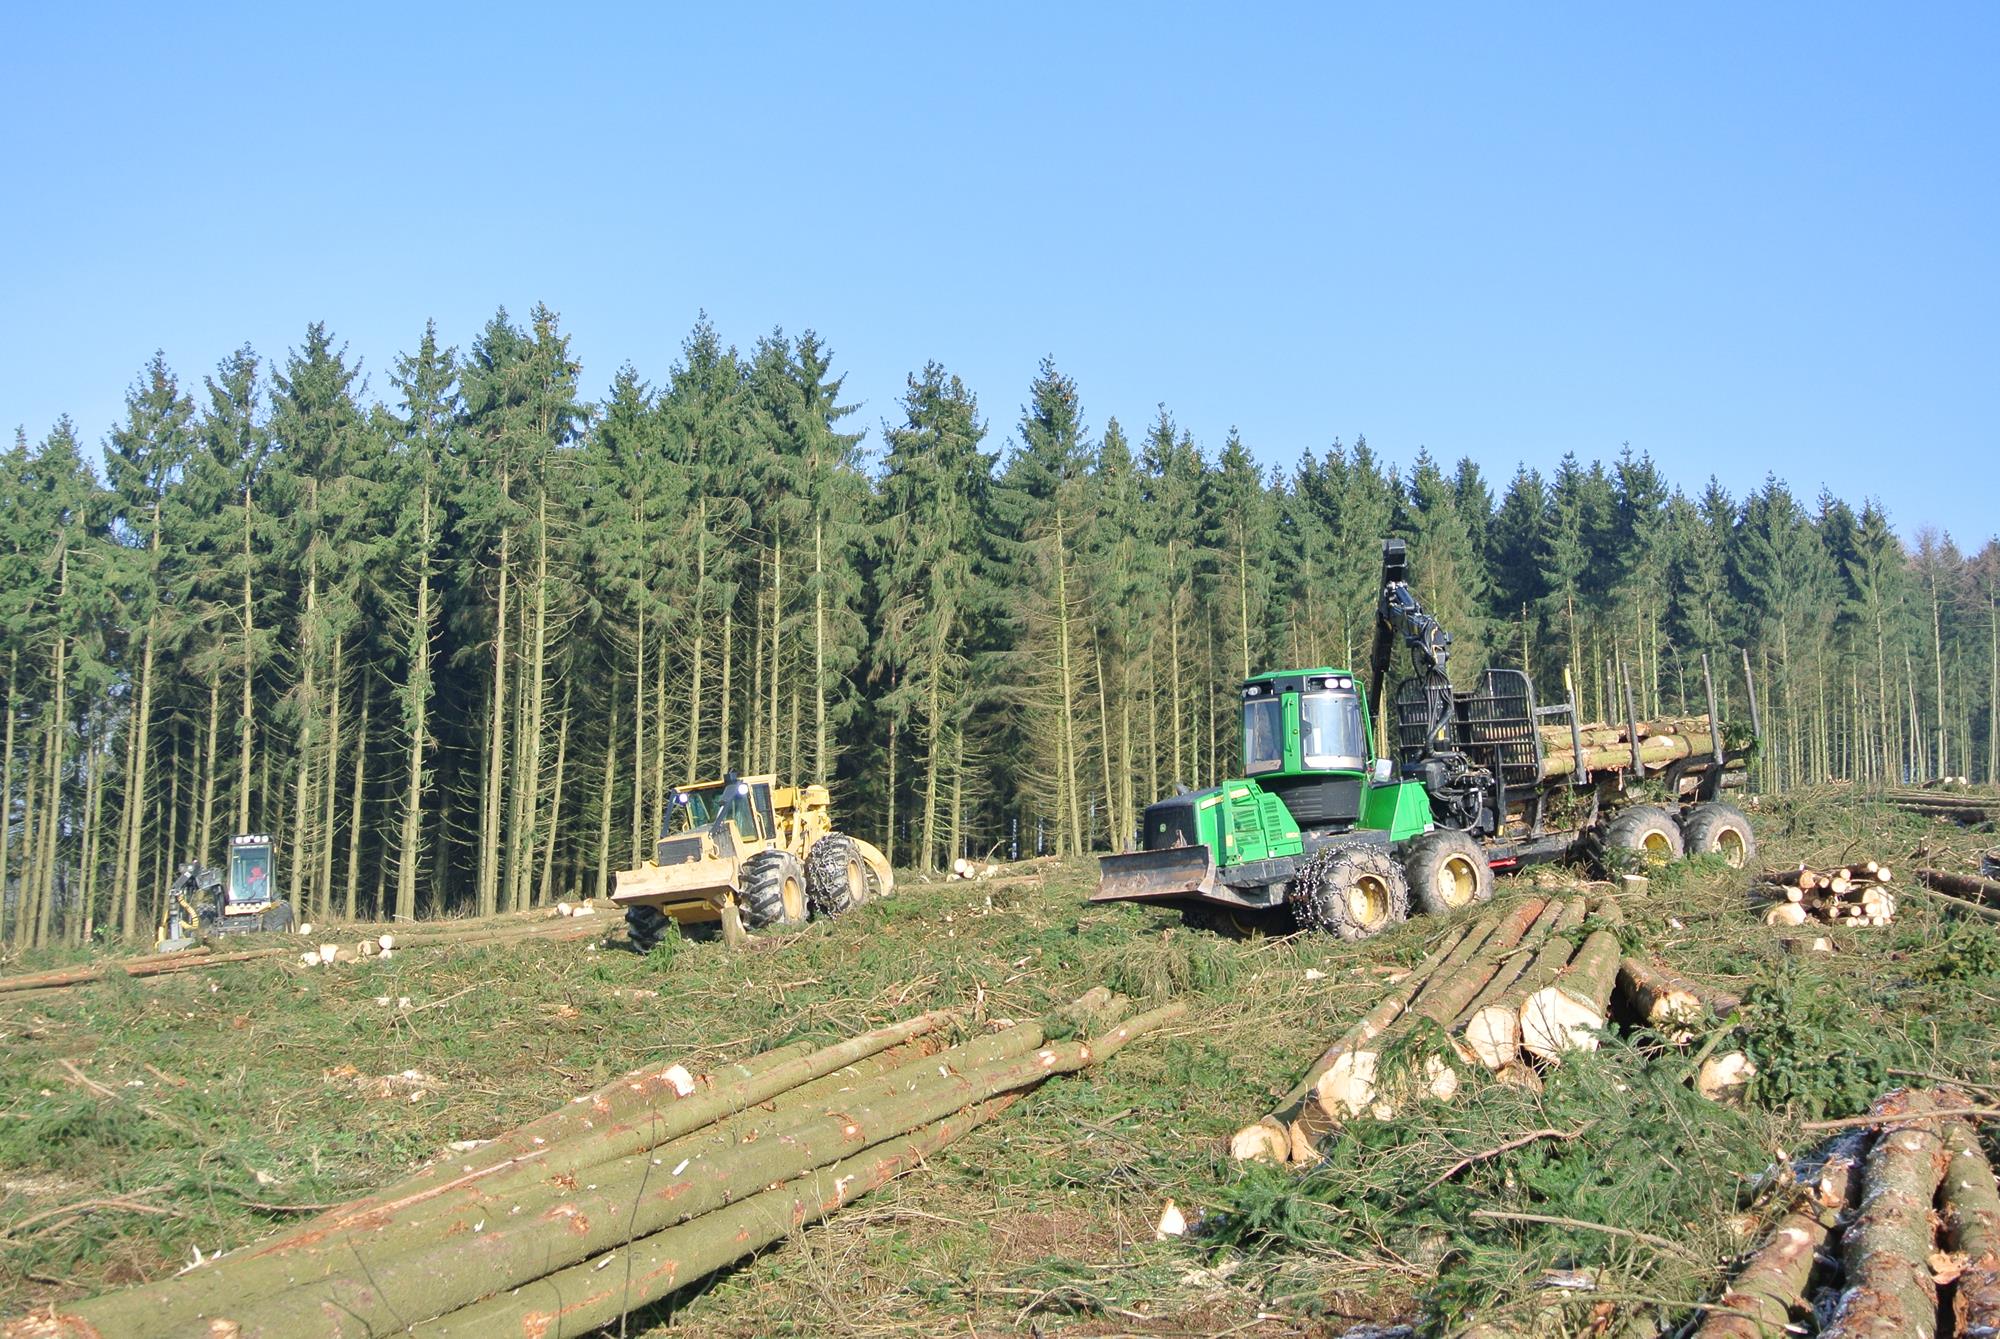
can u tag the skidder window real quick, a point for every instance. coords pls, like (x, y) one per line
(1330, 730)
(1263, 734)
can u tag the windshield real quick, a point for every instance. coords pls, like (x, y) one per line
(1330, 730)
(1263, 735)
(250, 874)
(697, 807)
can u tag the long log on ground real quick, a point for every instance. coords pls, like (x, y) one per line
(153, 965)
(1758, 1302)
(1951, 901)
(1567, 1014)
(1559, 916)
(1652, 997)
(1889, 1293)
(382, 1279)
(1964, 885)
(1971, 1205)
(382, 1295)
(1352, 1083)
(1492, 1032)
(1270, 1137)
(564, 1141)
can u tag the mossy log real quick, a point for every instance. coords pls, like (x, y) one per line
(1889, 1292)
(1351, 1084)
(1971, 1211)
(1271, 1137)
(1568, 1013)
(1492, 1031)
(1759, 1301)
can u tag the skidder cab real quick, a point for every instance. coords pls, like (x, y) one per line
(240, 900)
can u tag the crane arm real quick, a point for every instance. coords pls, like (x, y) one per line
(1400, 614)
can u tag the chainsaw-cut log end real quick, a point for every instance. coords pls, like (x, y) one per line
(1493, 1035)
(1785, 913)
(1723, 1078)
(1348, 1086)
(1265, 1141)
(1554, 1021)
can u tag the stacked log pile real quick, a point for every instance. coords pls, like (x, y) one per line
(1849, 895)
(616, 1199)
(1505, 995)
(1876, 1225)
(1965, 808)
(1609, 747)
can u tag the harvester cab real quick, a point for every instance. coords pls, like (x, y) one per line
(239, 899)
(746, 854)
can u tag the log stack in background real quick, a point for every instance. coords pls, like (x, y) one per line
(1609, 747)
(616, 1199)
(1856, 894)
(1962, 806)
(1515, 989)
(1877, 1224)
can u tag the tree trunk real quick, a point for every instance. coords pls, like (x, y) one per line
(301, 799)
(555, 801)
(7, 786)
(354, 830)
(1889, 1293)
(247, 720)
(604, 805)
(208, 764)
(1759, 1300)
(496, 739)
(329, 791)
(416, 721)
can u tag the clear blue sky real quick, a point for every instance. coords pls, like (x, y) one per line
(1743, 238)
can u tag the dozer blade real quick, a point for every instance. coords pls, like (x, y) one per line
(690, 892)
(1142, 876)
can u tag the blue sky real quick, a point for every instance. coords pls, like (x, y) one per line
(1747, 239)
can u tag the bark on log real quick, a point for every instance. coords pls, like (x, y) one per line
(1758, 1303)
(380, 1284)
(389, 1296)
(1566, 1014)
(1352, 1084)
(1558, 917)
(153, 964)
(1493, 1032)
(1963, 885)
(1271, 1137)
(1951, 901)
(562, 1140)
(1654, 752)
(1889, 1293)
(1971, 1206)
(1654, 997)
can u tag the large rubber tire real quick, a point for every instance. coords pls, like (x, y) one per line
(1447, 872)
(645, 927)
(277, 920)
(1353, 892)
(1645, 832)
(1720, 829)
(836, 876)
(774, 890)
(1234, 923)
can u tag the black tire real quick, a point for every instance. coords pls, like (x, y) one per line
(1353, 892)
(1645, 833)
(278, 919)
(645, 927)
(1447, 872)
(774, 890)
(837, 877)
(1720, 829)
(1234, 923)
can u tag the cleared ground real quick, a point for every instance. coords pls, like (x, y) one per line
(141, 1121)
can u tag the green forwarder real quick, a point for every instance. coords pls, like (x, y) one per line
(1323, 832)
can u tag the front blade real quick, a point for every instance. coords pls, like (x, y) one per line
(1141, 876)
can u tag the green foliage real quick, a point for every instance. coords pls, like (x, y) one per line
(1814, 1052)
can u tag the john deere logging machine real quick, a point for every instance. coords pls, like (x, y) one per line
(747, 853)
(1322, 833)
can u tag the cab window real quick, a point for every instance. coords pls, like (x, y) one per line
(1330, 733)
(1263, 735)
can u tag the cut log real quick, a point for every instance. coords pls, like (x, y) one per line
(1556, 917)
(1724, 1078)
(1964, 885)
(1652, 997)
(1785, 913)
(1949, 901)
(1657, 751)
(1971, 1206)
(1271, 1138)
(1352, 1083)
(1889, 1292)
(1759, 1301)
(1567, 1014)
(1493, 1032)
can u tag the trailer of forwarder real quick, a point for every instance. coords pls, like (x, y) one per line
(1321, 833)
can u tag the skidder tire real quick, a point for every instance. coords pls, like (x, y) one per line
(1447, 872)
(1647, 832)
(837, 878)
(278, 920)
(645, 927)
(1720, 829)
(1353, 892)
(774, 890)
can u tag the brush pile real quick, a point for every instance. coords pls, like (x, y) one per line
(1504, 995)
(616, 1199)
(1850, 895)
(1886, 1231)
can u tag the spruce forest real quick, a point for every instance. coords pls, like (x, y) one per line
(451, 634)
